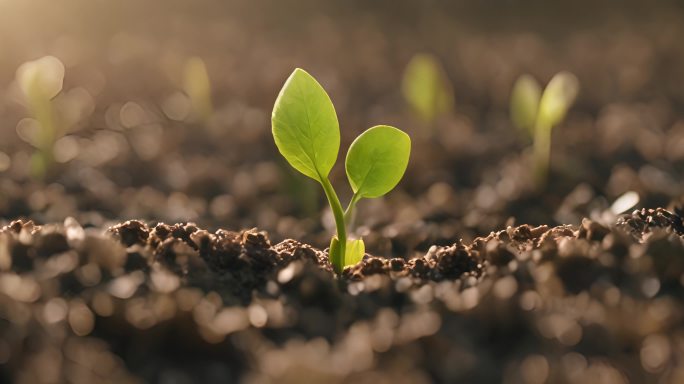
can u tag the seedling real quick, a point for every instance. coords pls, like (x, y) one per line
(426, 88)
(40, 81)
(537, 113)
(197, 86)
(307, 134)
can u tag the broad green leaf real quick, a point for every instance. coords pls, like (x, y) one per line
(525, 103)
(426, 87)
(197, 86)
(377, 160)
(557, 98)
(305, 126)
(353, 253)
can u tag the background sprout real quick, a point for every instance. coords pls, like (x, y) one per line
(539, 112)
(40, 81)
(426, 88)
(197, 86)
(525, 103)
(307, 134)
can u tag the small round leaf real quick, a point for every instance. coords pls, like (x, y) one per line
(305, 126)
(557, 98)
(525, 103)
(197, 86)
(377, 160)
(353, 253)
(426, 87)
(41, 77)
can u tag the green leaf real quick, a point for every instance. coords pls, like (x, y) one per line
(305, 126)
(557, 98)
(197, 86)
(41, 78)
(353, 253)
(426, 87)
(525, 103)
(377, 160)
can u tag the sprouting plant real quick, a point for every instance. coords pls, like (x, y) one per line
(40, 81)
(426, 88)
(197, 86)
(307, 134)
(537, 113)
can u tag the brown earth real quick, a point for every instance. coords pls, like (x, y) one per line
(177, 303)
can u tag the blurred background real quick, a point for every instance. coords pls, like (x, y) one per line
(164, 112)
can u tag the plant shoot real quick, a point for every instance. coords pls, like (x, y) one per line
(537, 113)
(197, 86)
(40, 81)
(426, 88)
(307, 133)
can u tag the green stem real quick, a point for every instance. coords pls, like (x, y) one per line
(42, 110)
(542, 153)
(338, 213)
(350, 212)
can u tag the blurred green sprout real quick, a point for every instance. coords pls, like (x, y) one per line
(536, 113)
(307, 134)
(40, 81)
(197, 87)
(426, 88)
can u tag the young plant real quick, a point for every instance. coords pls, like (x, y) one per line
(40, 81)
(537, 113)
(426, 88)
(197, 86)
(307, 134)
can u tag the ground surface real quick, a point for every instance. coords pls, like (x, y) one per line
(178, 304)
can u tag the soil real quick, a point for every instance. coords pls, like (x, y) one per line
(177, 303)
